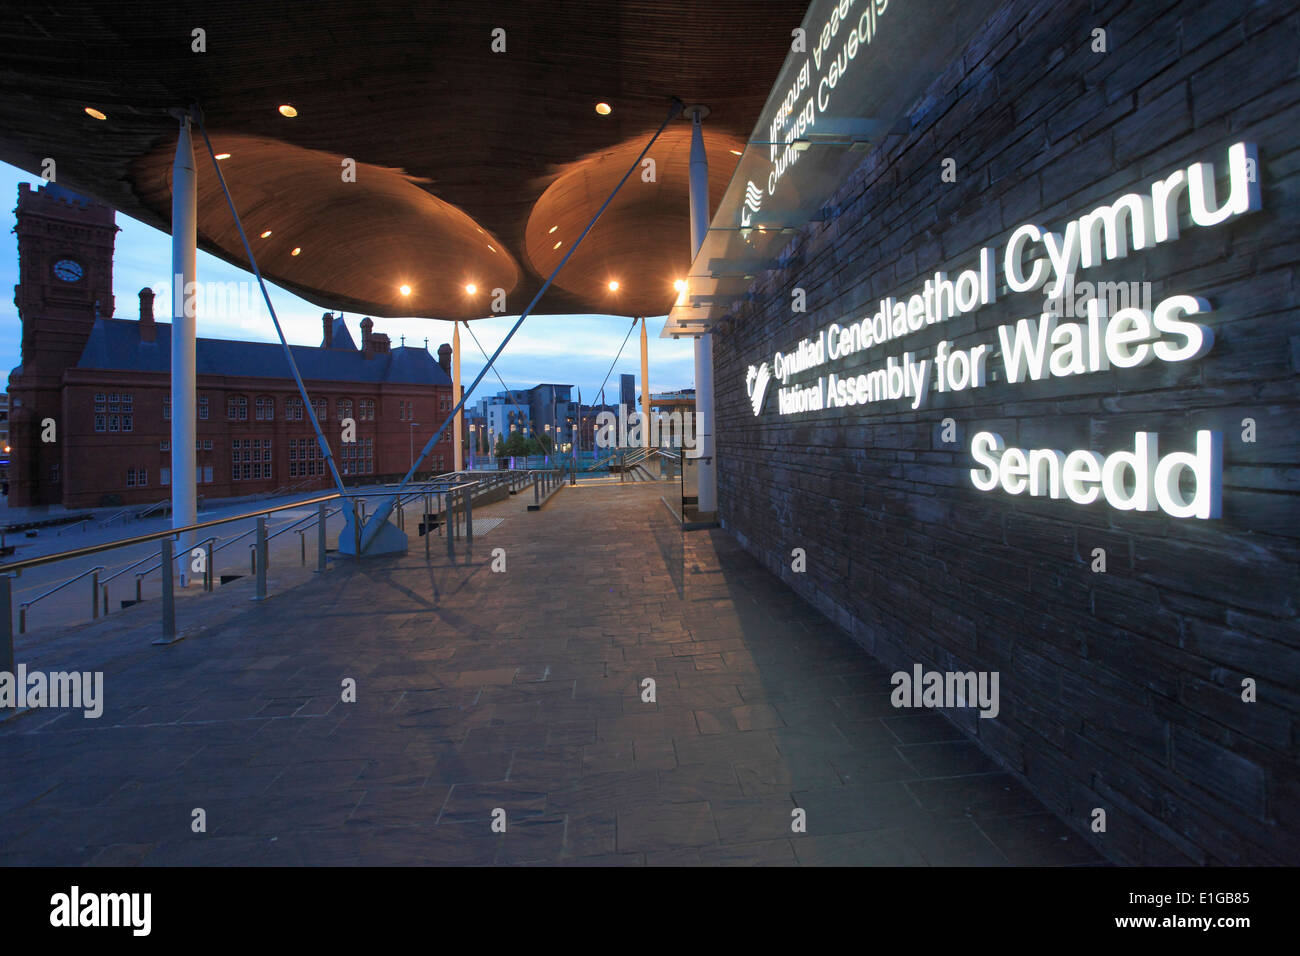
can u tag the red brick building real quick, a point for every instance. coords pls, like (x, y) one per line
(91, 403)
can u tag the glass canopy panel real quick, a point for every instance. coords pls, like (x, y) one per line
(859, 81)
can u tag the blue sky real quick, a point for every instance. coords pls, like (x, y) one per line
(574, 350)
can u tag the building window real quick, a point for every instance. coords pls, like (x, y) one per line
(99, 401)
(164, 445)
(322, 407)
(444, 404)
(265, 409)
(205, 474)
(207, 444)
(203, 409)
(359, 457)
(367, 409)
(54, 472)
(293, 408)
(345, 408)
(137, 477)
(127, 422)
(101, 423)
(237, 408)
(164, 476)
(250, 459)
(167, 409)
(114, 424)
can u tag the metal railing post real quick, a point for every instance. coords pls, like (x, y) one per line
(261, 558)
(469, 514)
(94, 596)
(104, 588)
(165, 570)
(320, 537)
(446, 524)
(537, 495)
(208, 572)
(7, 624)
(356, 531)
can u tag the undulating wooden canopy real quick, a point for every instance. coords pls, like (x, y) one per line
(473, 165)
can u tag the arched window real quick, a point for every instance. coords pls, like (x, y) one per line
(345, 408)
(237, 408)
(265, 408)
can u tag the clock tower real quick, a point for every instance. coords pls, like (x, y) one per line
(65, 280)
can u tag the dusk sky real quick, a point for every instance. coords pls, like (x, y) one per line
(574, 350)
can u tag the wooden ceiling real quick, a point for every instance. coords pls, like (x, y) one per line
(466, 158)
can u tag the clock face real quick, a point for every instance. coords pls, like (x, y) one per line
(69, 270)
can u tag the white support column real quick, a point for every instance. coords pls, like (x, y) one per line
(707, 475)
(184, 301)
(459, 455)
(645, 388)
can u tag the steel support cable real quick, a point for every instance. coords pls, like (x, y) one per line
(293, 366)
(386, 507)
(495, 372)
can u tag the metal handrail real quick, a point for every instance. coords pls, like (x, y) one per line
(444, 485)
(15, 566)
(94, 596)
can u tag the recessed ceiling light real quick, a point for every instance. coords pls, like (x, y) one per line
(91, 111)
(613, 285)
(267, 234)
(734, 152)
(558, 244)
(551, 230)
(287, 110)
(296, 250)
(490, 249)
(223, 155)
(471, 288)
(604, 109)
(404, 289)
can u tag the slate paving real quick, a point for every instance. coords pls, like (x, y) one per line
(480, 692)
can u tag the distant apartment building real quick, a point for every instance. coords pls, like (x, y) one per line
(91, 401)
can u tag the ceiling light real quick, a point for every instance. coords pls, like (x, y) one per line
(91, 111)
(734, 152)
(604, 109)
(613, 285)
(296, 250)
(289, 111)
(680, 285)
(267, 234)
(490, 249)
(551, 230)
(404, 289)
(223, 155)
(471, 288)
(557, 245)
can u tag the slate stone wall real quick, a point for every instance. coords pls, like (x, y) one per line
(1119, 690)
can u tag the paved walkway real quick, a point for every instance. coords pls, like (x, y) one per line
(518, 691)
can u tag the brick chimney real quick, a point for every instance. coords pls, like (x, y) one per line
(444, 357)
(327, 321)
(367, 337)
(148, 330)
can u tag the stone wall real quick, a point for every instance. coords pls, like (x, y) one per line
(1120, 690)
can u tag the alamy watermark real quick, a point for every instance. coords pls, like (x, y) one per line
(78, 690)
(946, 689)
(1071, 300)
(626, 429)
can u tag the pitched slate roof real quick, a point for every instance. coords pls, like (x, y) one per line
(115, 345)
